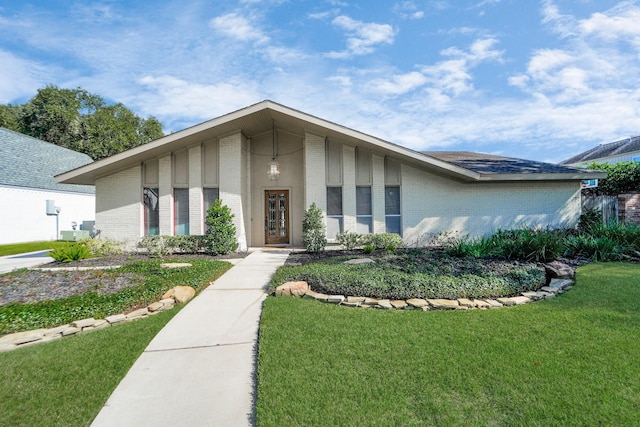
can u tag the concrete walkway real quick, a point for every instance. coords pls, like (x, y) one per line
(31, 259)
(200, 369)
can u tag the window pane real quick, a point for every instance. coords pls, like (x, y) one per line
(210, 195)
(392, 200)
(363, 200)
(151, 212)
(334, 200)
(393, 224)
(364, 225)
(181, 210)
(334, 226)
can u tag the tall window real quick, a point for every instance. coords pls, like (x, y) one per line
(363, 210)
(334, 211)
(209, 196)
(151, 211)
(181, 210)
(393, 218)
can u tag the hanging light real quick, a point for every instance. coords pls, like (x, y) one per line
(274, 168)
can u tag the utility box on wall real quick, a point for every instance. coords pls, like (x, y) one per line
(51, 207)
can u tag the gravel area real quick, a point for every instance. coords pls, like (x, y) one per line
(41, 285)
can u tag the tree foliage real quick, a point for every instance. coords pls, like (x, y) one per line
(313, 230)
(80, 121)
(221, 233)
(623, 177)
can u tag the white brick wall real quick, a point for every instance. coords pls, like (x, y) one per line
(314, 172)
(24, 217)
(230, 155)
(431, 204)
(377, 194)
(165, 188)
(196, 220)
(119, 212)
(349, 188)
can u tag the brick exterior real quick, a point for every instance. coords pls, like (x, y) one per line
(377, 194)
(231, 168)
(165, 202)
(315, 171)
(431, 203)
(196, 217)
(629, 207)
(349, 188)
(119, 211)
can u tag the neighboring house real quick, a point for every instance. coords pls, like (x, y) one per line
(27, 168)
(614, 152)
(269, 163)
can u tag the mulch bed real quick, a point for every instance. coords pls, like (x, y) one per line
(41, 285)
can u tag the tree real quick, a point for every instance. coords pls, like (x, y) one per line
(80, 121)
(623, 177)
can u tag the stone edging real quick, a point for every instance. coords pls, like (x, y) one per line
(176, 295)
(302, 289)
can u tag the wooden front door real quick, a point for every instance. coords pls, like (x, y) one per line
(276, 221)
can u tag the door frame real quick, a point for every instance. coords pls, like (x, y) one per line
(277, 240)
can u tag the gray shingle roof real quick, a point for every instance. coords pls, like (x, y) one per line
(491, 164)
(606, 150)
(32, 163)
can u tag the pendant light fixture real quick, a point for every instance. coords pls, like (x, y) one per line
(273, 172)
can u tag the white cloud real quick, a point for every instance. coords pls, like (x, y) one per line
(408, 10)
(362, 37)
(617, 24)
(238, 27)
(398, 84)
(20, 78)
(169, 98)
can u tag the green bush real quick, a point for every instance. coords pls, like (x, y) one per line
(70, 252)
(155, 246)
(590, 219)
(103, 247)
(349, 240)
(388, 241)
(314, 235)
(368, 249)
(594, 248)
(221, 233)
(478, 247)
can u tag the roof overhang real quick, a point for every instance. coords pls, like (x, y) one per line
(260, 118)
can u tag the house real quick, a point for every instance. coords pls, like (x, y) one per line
(269, 163)
(625, 150)
(27, 168)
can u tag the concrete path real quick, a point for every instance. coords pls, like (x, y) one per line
(200, 369)
(31, 259)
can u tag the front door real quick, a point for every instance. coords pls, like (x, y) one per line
(276, 221)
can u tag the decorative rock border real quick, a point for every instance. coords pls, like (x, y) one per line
(177, 295)
(302, 290)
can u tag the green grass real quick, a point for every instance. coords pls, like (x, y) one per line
(21, 248)
(154, 281)
(66, 382)
(572, 360)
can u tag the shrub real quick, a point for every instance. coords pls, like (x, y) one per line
(155, 246)
(594, 248)
(590, 219)
(368, 249)
(102, 247)
(529, 244)
(465, 246)
(389, 241)
(349, 240)
(70, 252)
(221, 233)
(313, 230)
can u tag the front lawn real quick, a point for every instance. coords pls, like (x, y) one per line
(21, 248)
(572, 360)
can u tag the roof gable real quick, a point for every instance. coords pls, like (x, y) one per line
(259, 118)
(32, 163)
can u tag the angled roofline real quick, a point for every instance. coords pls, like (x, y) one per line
(87, 173)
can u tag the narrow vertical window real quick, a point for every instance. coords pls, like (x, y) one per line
(363, 210)
(151, 212)
(393, 218)
(181, 210)
(209, 195)
(334, 211)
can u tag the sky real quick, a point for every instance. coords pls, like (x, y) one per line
(541, 80)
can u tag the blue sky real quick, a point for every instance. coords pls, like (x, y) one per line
(542, 80)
